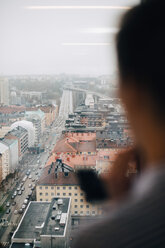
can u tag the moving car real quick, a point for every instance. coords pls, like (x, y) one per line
(13, 203)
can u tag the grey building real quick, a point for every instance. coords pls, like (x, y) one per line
(45, 225)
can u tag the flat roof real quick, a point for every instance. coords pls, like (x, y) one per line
(59, 212)
(34, 216)
(38, 219)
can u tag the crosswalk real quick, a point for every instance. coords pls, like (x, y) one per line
(4, 244)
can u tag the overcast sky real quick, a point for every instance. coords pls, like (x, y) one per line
(56, 36)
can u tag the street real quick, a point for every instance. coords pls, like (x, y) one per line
(34, 164)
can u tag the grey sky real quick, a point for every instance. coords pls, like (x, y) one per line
(49, 40)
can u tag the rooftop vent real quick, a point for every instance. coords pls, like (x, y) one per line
(60, 201)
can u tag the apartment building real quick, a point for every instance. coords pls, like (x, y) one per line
(60, 180)
(37, 114)
(4, 91)
(4, 161)
(12, 144)
(21, 135)
(50, 113)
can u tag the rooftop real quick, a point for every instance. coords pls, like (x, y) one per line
(51, 215)
(75, 144)
(18, 132)
(8, 142)
(31, 219)
(57, 217)
(50, 179)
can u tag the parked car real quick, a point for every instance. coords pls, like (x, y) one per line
(15, 211)
(13, 196)
(8, 211)
(20, 192)
(8, 204)
(30, 185)
(30, 176)
(23, 206)
(25, 201)
(30, 193)
(20, 211)
(33, 187)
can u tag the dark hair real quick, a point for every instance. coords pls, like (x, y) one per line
(141, 49)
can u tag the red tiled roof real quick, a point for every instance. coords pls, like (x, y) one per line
(50, 179)
(11, 109)
(73, 145)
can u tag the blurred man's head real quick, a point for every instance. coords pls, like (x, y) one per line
(141, 58)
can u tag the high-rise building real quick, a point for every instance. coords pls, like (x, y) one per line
(4, 91)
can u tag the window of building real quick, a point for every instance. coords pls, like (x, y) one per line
(75, 194)
(46, 193)
(75, 206)
(46, 199)
(81, 194)
(64, 194)
(41, 199)
(75, 187)
(40, 187)
(52, 187)
(58, 193)
(46, 187)
(81, 206)
(52, 194)
(70, 187)
(81, 200)
(93, 212)
(58, 187)
(87, 212)
(75, 212)
(64, 187)
(81, 212)
(87, 206)
(70, 194)
(75, 200)
(40, 193)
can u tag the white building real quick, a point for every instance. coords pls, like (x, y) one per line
(37, 114)
(30, 129)
(4, 161)
(4, 91)
(13, 152)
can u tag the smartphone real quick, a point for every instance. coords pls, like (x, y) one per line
(92, 185)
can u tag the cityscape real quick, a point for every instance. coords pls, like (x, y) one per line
(60, 116)
(45, 137)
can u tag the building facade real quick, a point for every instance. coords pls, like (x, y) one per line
(13, 152)
(4, 161)
(4, 91)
